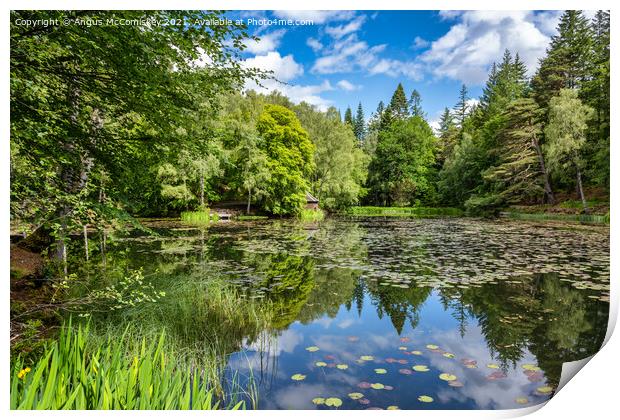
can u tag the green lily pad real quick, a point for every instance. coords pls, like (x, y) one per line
(420, 368)
(521, 400)
(377, 386)
(342, 366)
(402, 348)
(532, 368)
(448, 355)
(318, 401)
(320, 364)
(366, 358)
(544, 390)
(393, 407)
(380, 371)
(312, 349)
(432, 347)
(416, 352)
(356, 395)
(492, 366)
(425, 399)
(333, 402)
(447, 377)
(298, 377)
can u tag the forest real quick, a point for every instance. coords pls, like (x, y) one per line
(113, 126)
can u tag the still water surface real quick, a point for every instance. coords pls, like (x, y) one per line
(396, 313)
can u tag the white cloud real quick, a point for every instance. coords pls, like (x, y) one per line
(348, 86)
(480, 37)
(317, 16)
(315, 44)
(338, 32)
(268, 42)
(283, 68)
(419, 43)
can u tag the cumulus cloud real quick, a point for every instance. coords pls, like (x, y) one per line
(348, 86)
(419, 43)
(317, 16)
(480, 37)
(282, 68)
(268, 42)
(315, 44)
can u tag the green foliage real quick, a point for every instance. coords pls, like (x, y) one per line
(203, 216)
(400, 171)
(311, 215)
(290, 161)
(460, 175)
(359, 125)
(403, 211)
(73, 375)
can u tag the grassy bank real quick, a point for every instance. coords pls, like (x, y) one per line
(122, 373)
(581, 218)
(403, 211)
(199, 217)
(310, 215)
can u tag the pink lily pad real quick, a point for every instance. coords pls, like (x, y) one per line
(402, 361)
(466, 361)
(405, 339)
(330, 357)
(364, 401)
(388, 387)
(498, 374)
(408, 353)
(331, 365)
(390, 360)
(455, 384)
(364, 385)
(535, 377)
(405, 371)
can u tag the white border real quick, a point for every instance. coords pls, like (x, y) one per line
(593, 393)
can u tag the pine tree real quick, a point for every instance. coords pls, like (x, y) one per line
(447, 136)
(415, 105)
(461, 108)
(348, 117)
(359, 124)
(566, 62)
(520, 173)
(398, 109)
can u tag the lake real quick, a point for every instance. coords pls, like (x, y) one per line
(445, 313)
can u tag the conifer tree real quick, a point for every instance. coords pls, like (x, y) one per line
(359, 124)
(348, 117)
(415, 105)
(398, 108)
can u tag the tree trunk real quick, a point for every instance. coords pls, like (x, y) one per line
(86, 242)
(247, 210)
(202, 190)
(581, 196)
(541, 160)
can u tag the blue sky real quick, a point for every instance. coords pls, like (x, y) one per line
(347, 57)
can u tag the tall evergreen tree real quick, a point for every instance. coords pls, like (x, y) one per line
(359, 124)
(398, 108)
(348, 117)
(566, 63)
(461, 108)
(448, 133)
(415, 105)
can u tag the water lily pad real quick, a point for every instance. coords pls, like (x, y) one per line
(425, 399)
(377, 386)
(421, 368)
(356, 395)
(402, 361)
(455, 384)
(469, 366)
(393, 407)
(364, 385)
(447, 377)
(388, 387)
(521, 400)
(331, 365)
(390, 360)
(448, 355)
(333, 402)
(492, 366)
(416, 352)
(531, 368)
(312, 349)
(432, 347)
(342, 366)
(544, 390)
(298, 377)
(330, 357)
(405, 371)
(364, 401)
(367, 358)
(318, 401)
(534, 376)
(496, 375)
(381, 371)
(320, 364)
(402, 348)
(468, 361)
(405, 339)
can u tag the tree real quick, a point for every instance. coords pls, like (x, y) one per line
(397, 109)
(565, 134)
(290, 161)
(400, 170)
(254, 168)
(566, 62)
(340, 165)
(460, 175)
(448, 133)
(348, 117)
(415, 105)
(359, 124)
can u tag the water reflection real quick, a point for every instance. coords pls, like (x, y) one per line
(477, 300)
